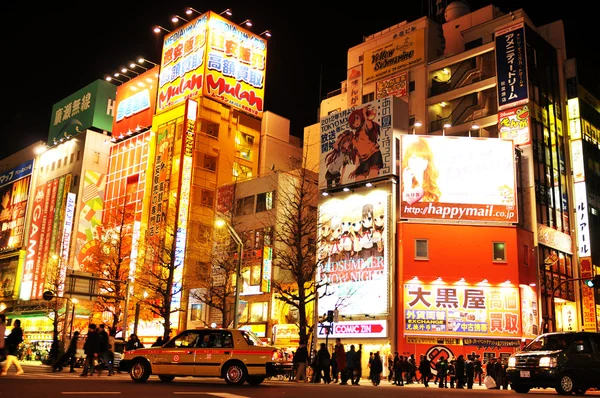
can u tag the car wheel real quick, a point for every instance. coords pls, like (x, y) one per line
(140, 371)
(253, 380)
(580, 391)
(166, 379)
(566, 385)
(520, 389)
(235, 373)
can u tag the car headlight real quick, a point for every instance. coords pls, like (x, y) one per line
(122, 356)
(548, 362)
(512, 361)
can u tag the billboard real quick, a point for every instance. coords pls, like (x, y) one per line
(353, 253)
(14, 193)
(394, 56)
(92, 106)
(458, 179)
(354, 86)
(395, 85)
(135, 103)
(236, 63)
(182, 64)
(356, 143)
(511, 66)
(514, 124)
(461, 310)
(90, 217)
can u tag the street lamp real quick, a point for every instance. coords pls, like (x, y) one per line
(238, 274)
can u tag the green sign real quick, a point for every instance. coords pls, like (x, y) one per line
(91, 107)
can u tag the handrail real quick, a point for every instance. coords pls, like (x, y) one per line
(437, 124)
(468, 62)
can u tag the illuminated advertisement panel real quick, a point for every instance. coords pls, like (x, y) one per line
(511, 66)
(90, 217)
(235, 66)
(135, 103)
(356, 143)
(354, 86)
(66, 242)
(353, 253)
(583, 229)
(182, 64)
(587, 297)
(530, 322)
(458, 179)
(185, 184)
(14, 193)
(399, 54)
(396, 86)
(29, 269)
(577, 161)
(461, 310)
(160, 179)
(265, 280)
(514, 124)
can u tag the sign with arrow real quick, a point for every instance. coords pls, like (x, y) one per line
(364, 329)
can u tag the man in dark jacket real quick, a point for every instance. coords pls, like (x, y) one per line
(470, 371)
(69, 355)
(91, 349)
(459, 367)
(425, 370)
(323, 363)
(442, 371)
(104, 350)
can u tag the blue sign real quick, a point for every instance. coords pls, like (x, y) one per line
(511, 67)
(22, 170)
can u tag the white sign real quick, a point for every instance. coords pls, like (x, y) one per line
(583, 229)
(66, 241)
(364, 329)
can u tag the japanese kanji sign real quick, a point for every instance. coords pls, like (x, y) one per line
(511, 66)
(461, 310)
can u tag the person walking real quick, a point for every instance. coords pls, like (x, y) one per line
(470, 372)
(390, 366)
(478, 369)
(340, 354)
(376, 369)
(425, 370)
(398, 369)
(442, 371)
(412, 376)
(323, 363)
(499, 373)
(350, 364)
(301, 360)
(358, 365)
(2, 334)
(459, 367)
(104, 350)
(334, 367)
(12, 342)
(90, 348)
(69, 355)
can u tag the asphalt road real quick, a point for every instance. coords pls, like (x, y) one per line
(40, 382)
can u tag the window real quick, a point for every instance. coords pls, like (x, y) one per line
(241, 172)
(196, 311)
(368, 98)
(268, 236)
(208, 198)
(207, 162)
(189, 338)
(499, 251)
(411, 86)
(421, 249)
(209, 128)
(265, 201)
(244, 206)
(473, 43)
(259, 312)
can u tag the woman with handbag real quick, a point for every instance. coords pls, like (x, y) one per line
(12, 344)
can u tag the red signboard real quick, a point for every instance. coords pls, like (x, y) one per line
(135, 103)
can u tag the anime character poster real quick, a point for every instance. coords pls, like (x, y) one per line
(356, 144)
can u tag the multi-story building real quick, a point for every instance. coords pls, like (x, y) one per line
(485, 255)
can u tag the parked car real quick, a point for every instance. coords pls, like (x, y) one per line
(566, 361)
(237, 356)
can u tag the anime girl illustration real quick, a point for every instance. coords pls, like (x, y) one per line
(378, 226)
(366, 143)
(335, 246)
(366, 237)
(342, 154)
(419, 174)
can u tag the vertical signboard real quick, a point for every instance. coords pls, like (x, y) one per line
(583, 229)
(511, 66)
(182, 64)
(90, 216)
(29, 270)
(185, 184)
(587, 297)
(514, 124)
(66, 242)
(14, 194)
(354, 86)
(236, 63)
(265, 280)
(160, 179)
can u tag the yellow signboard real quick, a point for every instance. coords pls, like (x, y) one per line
(392, 57)
(461, 310)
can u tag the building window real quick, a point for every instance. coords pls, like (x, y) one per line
(499, 251)
(411, 86)
(368, 98)
(196, 312)
(421, 249)
(473, 43)
(241, 172)
(265, 201)
(207, 162)
(259, 312)
(244, 206)
(209, 128)
(208, 198)
(267, 236)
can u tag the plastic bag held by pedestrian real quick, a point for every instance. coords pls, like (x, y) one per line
(489, 382)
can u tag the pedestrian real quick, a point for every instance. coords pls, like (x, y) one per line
(104, 350)
(2, 334)
(323, 363)
(376, 369)
(407, 370)
(350, 364)
(12, 342)
(505, 380)
(413, 369)
(398, 368)
(425, 370)
(90, 348)
(340, 353)
(490, 369)
(442, 372)
(159, 342)
(452, 372)
(390, 366)
(70, 355)
(133, 343)
(459, 367)
(371, 356)
(498, 372)
(358, 365)
(478, 368)
(470, 371)
(301, 360)
(334, 367)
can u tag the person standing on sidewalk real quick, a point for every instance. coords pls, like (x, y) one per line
(350, 364)
(442, 372)
(425, 370)
(12, 342)
(376, 369)
(91, 349)
(104, 350)
(301, 359)
(323, 363)
(470, 371)
(2, 334)
(340, 355)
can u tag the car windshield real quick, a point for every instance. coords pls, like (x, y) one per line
(549, 343)
(251, 338)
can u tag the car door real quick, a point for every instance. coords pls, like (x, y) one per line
(216, 347)
(177, 357)
(581, 358)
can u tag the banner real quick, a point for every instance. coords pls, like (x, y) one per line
(14, 194)
(136, 102)
(396, 86)
(514, 124)
(354, 86)
(461, 310)
(511, 66)
(458, 179)
(353, 254)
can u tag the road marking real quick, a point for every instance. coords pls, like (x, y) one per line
(215, 394)
(91, 393)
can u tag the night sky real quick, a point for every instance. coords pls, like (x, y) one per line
(53, 49)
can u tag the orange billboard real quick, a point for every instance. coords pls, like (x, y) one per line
(235, 66)
(182, 64)
(136, 101)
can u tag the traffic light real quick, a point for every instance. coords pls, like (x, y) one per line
(593, 282)
(329, 316)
